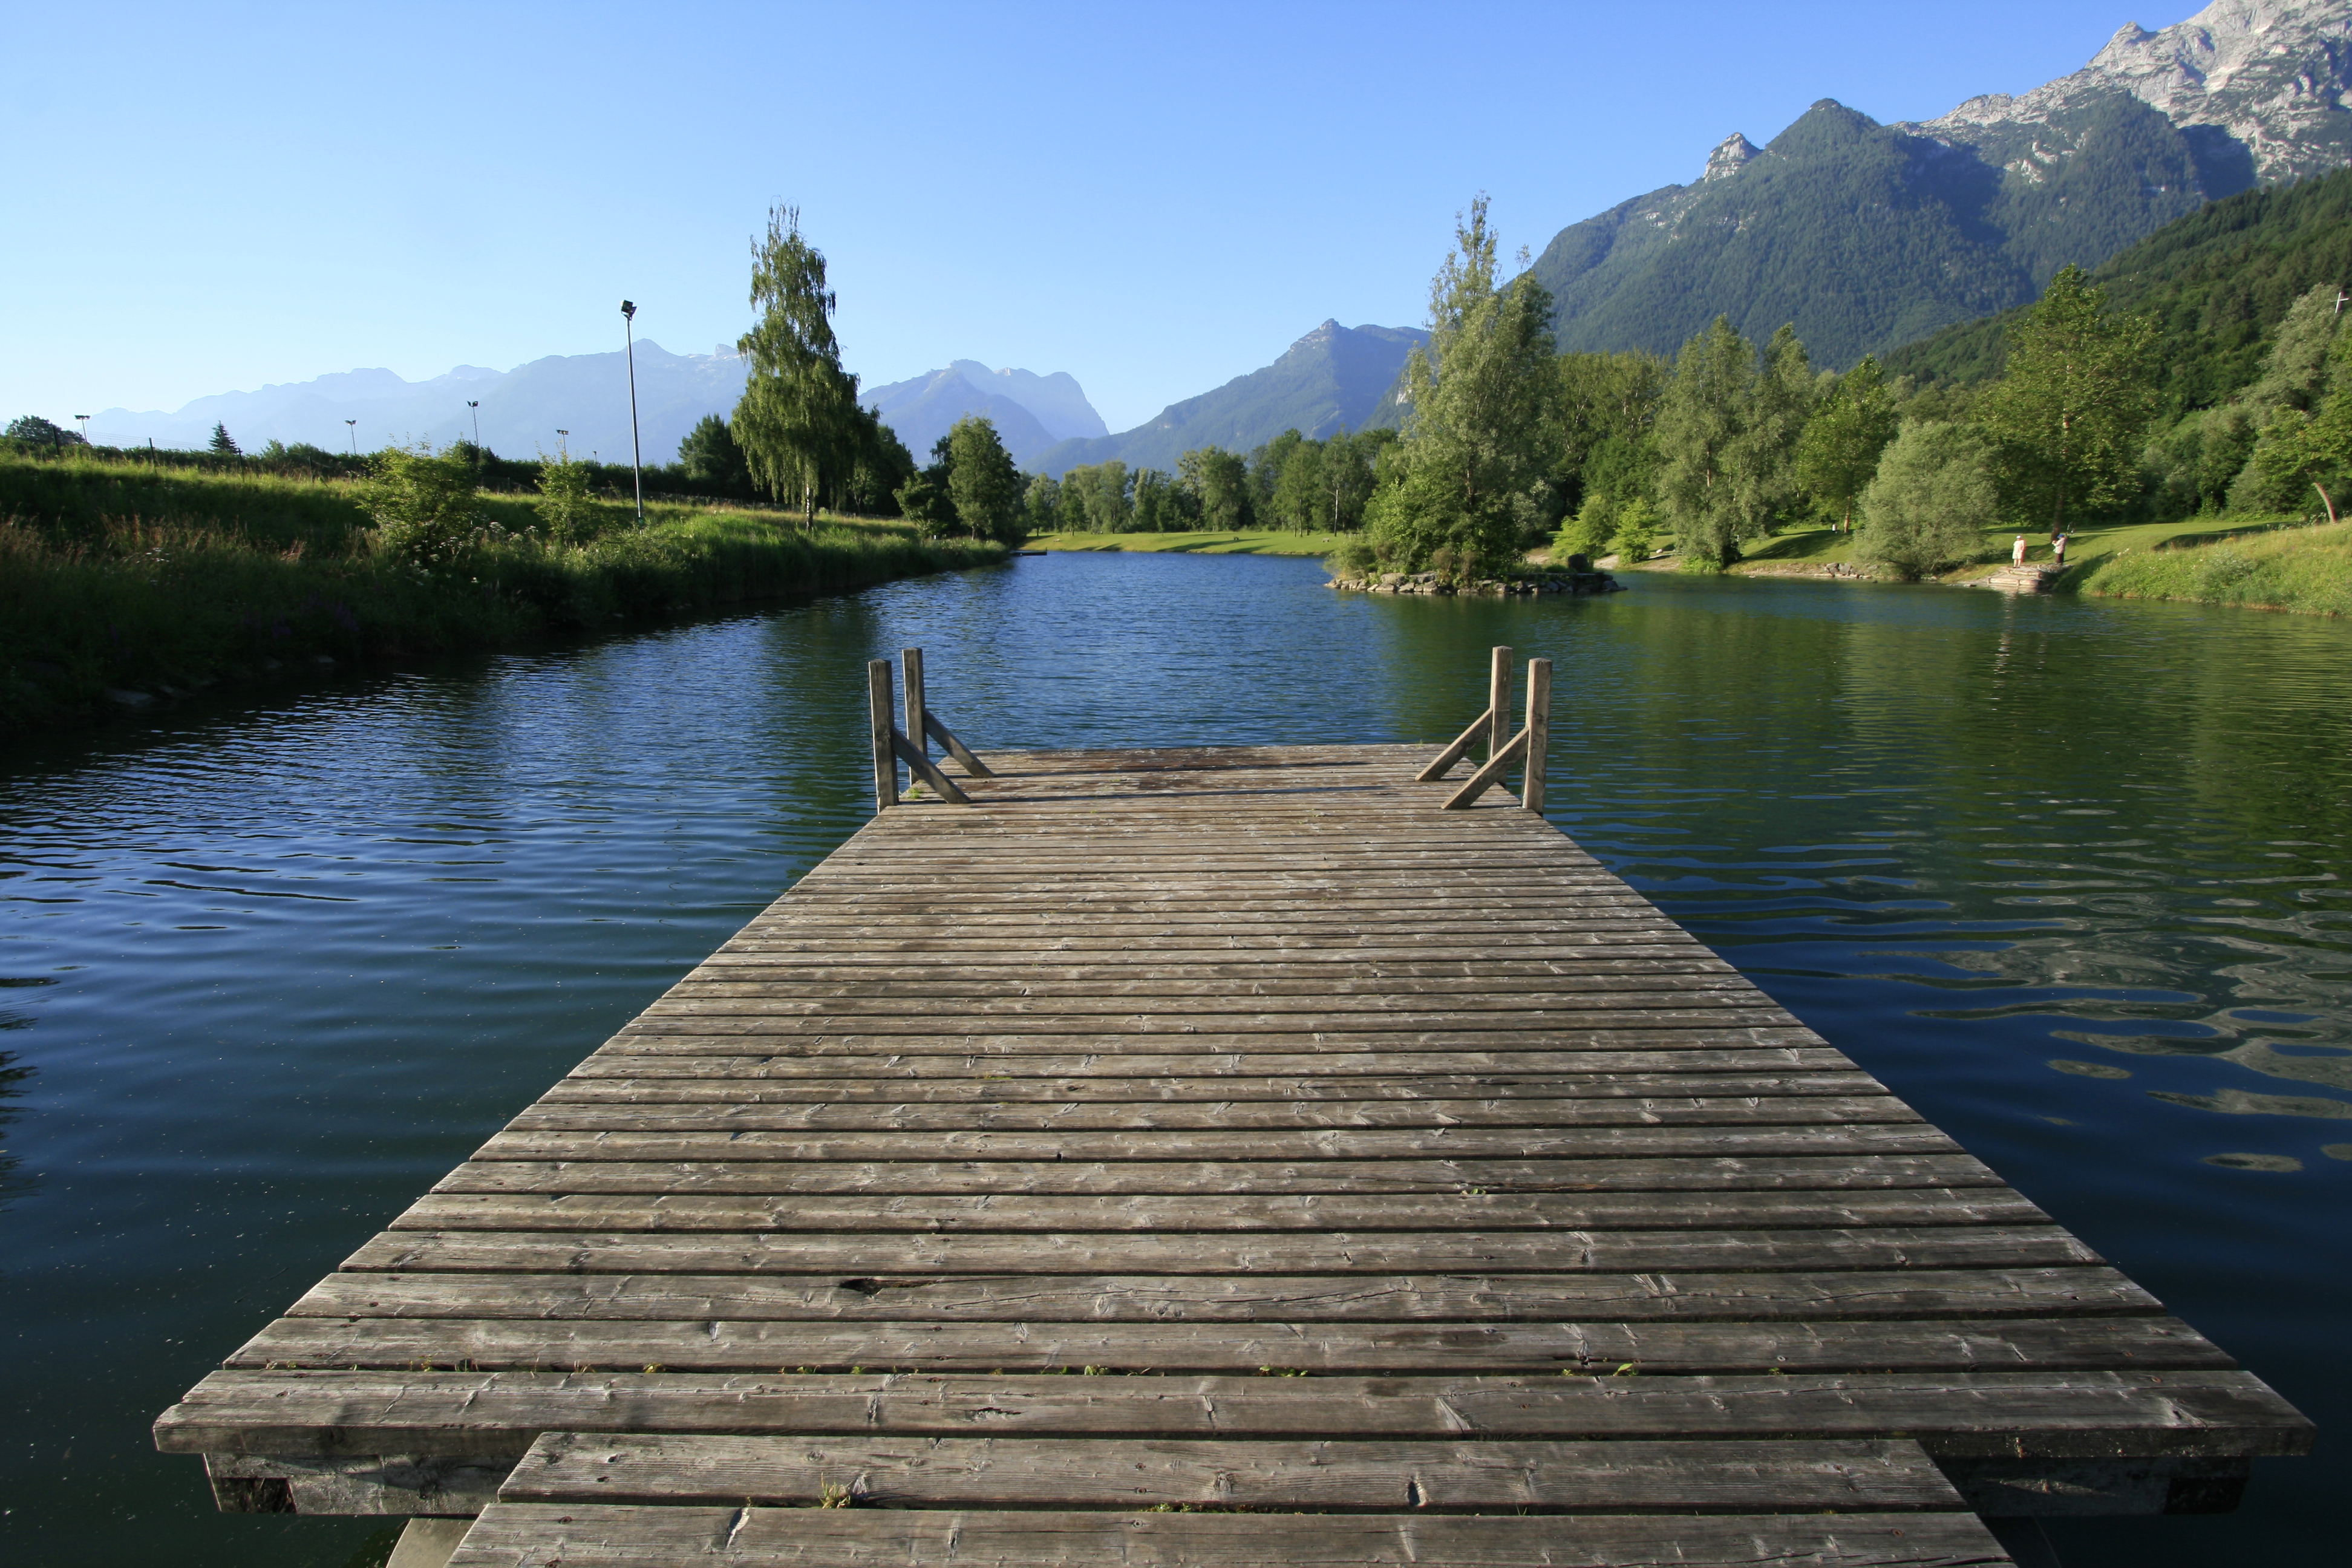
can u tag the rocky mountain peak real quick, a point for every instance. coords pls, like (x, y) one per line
(2271, 74)
(1729, 155)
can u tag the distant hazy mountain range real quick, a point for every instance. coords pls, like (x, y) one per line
(1869, 236)
(588, 394)
(1031, 412)
(1333, 378)
(521, 410)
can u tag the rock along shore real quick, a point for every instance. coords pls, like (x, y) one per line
(1585, 582)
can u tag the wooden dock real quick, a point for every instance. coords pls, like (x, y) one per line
(1214, 1157)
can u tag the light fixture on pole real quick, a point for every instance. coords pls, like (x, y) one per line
(354, 425)
(85, 427)
(476, 405)
(637, 453)
(563, 444)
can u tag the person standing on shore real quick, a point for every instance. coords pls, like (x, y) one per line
(2058, 551)
(2017, 551)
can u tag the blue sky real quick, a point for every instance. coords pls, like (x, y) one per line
(1154, 198)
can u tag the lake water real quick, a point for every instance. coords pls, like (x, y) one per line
(2073, 878)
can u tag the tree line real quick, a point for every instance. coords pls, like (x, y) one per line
(1294, 483)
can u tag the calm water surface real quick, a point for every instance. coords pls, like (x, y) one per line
(2075, 878)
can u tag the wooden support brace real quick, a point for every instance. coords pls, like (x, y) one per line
(923, 768)
(923, 726)
(885, 730)
(1490, 776)
(1454, 752)
(1493, 726)
(956, 749)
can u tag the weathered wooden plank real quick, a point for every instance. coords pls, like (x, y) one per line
(912, 994)
(1358, 1178)
(1648, 1110)
(1225, 1144)
(743, 1059)
(692, 1038)
(1989, 1413)
(1666, 1348)
(1836, 1474)
(1888, 1293)
(674, 1089)
(1727, 1011)
(1270, 1252)
(1561, 999)
(1007, 1212)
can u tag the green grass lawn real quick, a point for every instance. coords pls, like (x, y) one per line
(1823, 546)
(1246, 541)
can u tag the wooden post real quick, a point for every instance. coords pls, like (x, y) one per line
(1538, 730)
(1498, 703)
(885, 759)
(910, 661)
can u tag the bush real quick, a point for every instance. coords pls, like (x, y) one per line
(1587, 533)
(1931, 503)
(567, 509)
(1637, 531)
(423, 504)
(1354, 558)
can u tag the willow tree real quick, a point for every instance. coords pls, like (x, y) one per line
(2075, 396)
(1480, 440)
(797, 422)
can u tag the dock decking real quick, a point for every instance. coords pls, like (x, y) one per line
(1218, 1157)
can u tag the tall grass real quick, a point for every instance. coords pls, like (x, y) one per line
(2307, 570)
(117, 580)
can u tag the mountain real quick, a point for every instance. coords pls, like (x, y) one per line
(2219, 281)
(588, 394)
(1867, 236)
(1333, 378)
(1031, 412)
(521, 409)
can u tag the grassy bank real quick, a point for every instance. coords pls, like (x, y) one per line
(118, 583)
(2305, 570)
(1819, 548)
(1245, 541)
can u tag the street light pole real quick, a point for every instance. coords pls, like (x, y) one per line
(354, 425)
(636, 454)
(85, 427)
(474, 404)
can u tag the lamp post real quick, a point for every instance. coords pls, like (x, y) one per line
(354, 426)
(474, 404)
(563, 444)
(85, 427)
(637, 453)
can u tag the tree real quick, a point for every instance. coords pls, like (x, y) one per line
(2068, 413)
(1606, 404)
(1839, 451)
(711, 458)
(1702, 424)
(222, 445)
(1588, 532)
(1930, 503)
(1781, 406)
(1042, 504)
(983, 481)
(796, 424)
(34, 428)
(1480, 440)
(1219, 482)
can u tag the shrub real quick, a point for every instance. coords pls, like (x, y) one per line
(1931, 503)
(1354, 558)
(422, 503)
(567, 508)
